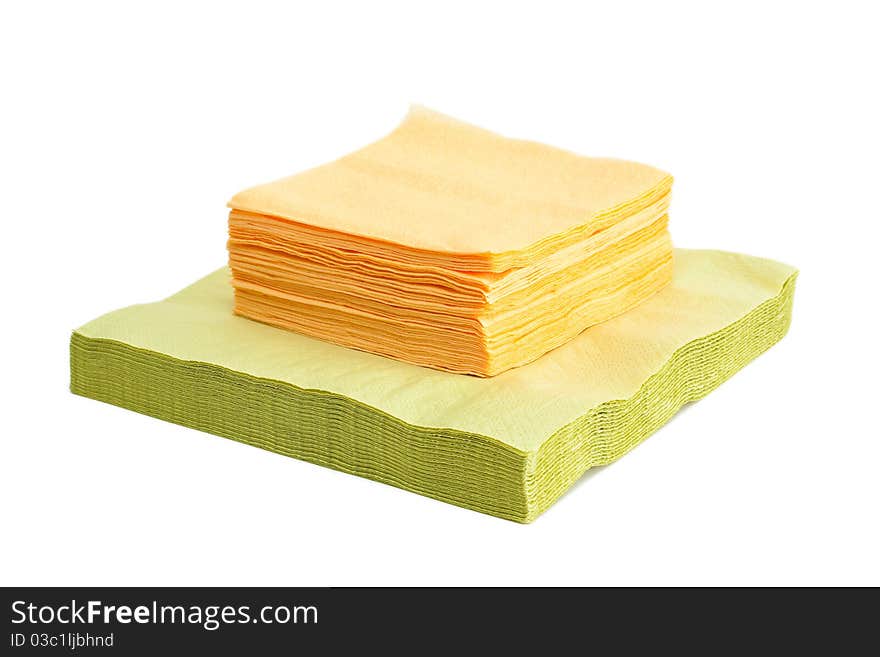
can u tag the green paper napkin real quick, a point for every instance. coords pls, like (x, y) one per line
(508, 445)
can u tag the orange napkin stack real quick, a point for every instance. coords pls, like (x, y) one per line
(452, 247)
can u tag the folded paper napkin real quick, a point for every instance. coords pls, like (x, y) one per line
(509, 445)
(452, 247)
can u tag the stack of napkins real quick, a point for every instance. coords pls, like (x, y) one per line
(451, 247)
(549, 275)
(508, 445)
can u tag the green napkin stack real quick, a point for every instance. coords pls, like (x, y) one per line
(508, 445)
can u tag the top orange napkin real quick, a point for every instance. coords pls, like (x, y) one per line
(450, 246)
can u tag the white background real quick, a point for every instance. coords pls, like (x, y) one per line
(125, 131)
